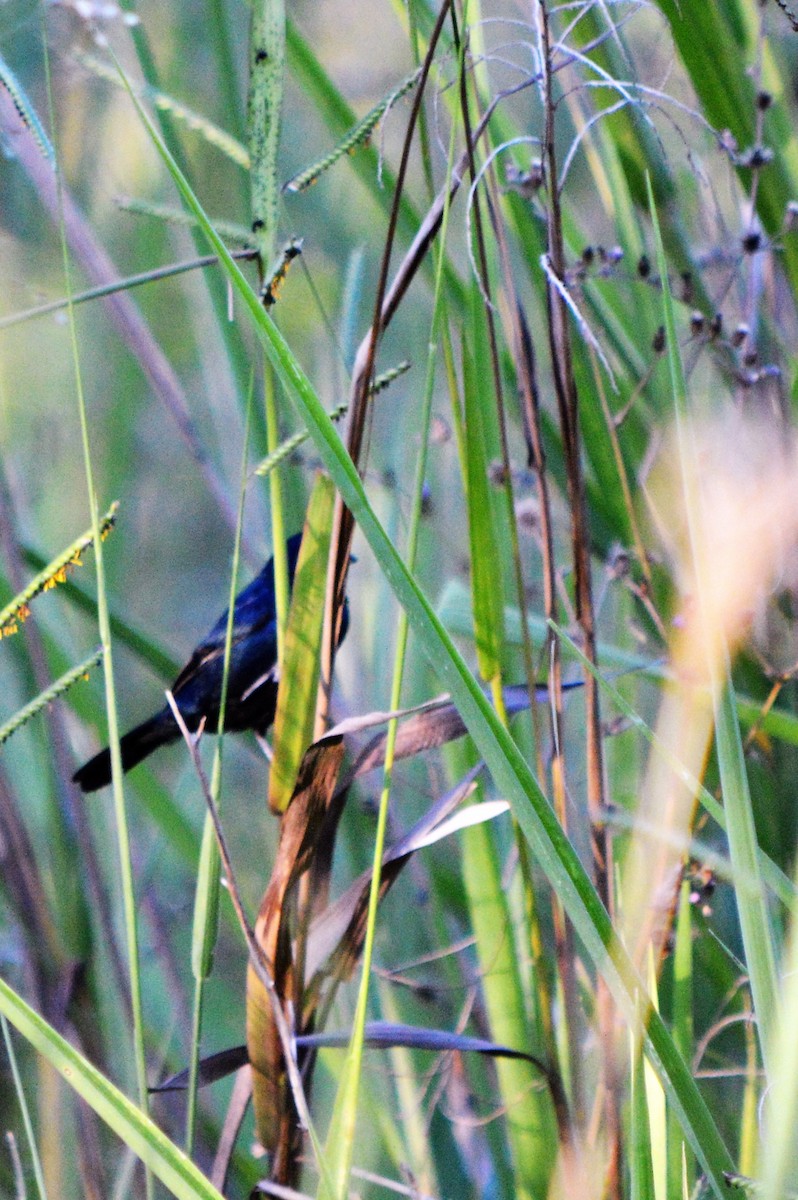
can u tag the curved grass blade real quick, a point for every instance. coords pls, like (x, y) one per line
(210, 1070)
(211, 133)
(18, 610)
(26, 110)
(237, 235)
(385, 1035)
(296, 691)
(175, 1170)
(356, 136)
(336, 935)
(52, 693)
(379, 1035)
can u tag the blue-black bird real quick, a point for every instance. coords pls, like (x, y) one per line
(251, 682)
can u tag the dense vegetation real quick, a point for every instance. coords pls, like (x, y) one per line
(545, 286)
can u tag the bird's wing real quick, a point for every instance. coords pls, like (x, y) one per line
(205, 654)
(254, 610)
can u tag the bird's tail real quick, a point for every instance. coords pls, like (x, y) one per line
(135, 746)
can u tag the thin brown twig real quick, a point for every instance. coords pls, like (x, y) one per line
(568, 408)
(359, 407)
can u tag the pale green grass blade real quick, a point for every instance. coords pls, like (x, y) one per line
(205, 929)
(641, 1166)
(486, 581)
(682, 1027)
(60, 686)
(299, 677)
(755, 922)
(125, 860)
(532, 1129)
(777, 1163)
(145, 1139)
(23, 1104)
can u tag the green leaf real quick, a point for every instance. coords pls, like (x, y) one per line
(486, 582)
(182, 1178)
(299, 680)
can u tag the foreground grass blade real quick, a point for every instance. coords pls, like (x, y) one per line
(483, 534)
(136, 1130)
(296, 693)
(23, 1104)
(777, 1153)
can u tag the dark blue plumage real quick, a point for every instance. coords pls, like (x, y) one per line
(251, 684)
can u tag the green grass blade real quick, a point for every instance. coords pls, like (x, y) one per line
(755, 923)
(178, 1174)
(532, 1129)
(264, 107)
(23, 1104)
(54, 573)
(486, 580)
(641, 1166)
(299, 677)
(682, 1026)
(52, 693)
(777, 1164)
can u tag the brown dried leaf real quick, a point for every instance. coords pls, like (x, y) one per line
(275, 1118)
